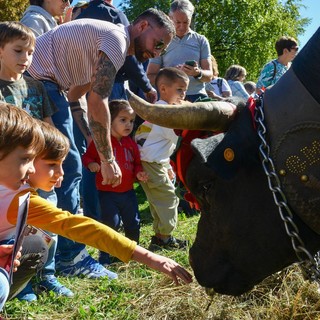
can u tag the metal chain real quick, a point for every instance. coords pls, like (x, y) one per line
(308, 264)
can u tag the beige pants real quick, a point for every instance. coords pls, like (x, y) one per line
(163, 201)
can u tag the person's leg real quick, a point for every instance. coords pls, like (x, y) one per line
(4, 287)
(68, 194)
(129, 213)
(46, 277)
(72, 257)
(109, 216)
(88, 190)
(34, 254)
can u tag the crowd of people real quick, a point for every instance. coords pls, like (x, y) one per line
(76, 144)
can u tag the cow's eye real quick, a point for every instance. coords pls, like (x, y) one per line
(207, 187)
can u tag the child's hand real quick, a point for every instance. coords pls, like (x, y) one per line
(5, 257)
(94, 167)
(162, 264)
(171, 174)
(142, 176)
(171, 268)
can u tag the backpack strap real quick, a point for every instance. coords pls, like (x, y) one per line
(274, 69)
(219, 83)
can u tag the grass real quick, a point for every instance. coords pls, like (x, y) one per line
(141, 293)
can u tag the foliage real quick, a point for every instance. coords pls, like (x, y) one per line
(239, 31)
(11, 10)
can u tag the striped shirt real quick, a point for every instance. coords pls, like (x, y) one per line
(68, 54)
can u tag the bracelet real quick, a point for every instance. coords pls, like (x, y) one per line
(111, 160)
(199, 76)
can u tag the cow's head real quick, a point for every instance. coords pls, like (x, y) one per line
(241, 238)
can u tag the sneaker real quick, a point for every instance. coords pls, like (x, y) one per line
(27, 294)
(51, 283)
(171, 244)
(85, 265)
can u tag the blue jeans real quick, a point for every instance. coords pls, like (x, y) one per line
(116, 207)
(50, 266)
(68, 194)
(4, 287)
(88, 190)
(121, 206)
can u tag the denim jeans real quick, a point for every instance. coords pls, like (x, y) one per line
(88, 190)
(4, 287)
(116, 207)
(68, 194)
(121, 206)
(50, 266)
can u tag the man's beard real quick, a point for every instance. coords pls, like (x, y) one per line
(138, 50)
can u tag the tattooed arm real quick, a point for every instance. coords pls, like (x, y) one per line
(99, 118)
(78, 106)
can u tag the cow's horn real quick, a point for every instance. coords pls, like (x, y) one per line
(212, 115)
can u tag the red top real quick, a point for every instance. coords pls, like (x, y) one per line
(127, 156)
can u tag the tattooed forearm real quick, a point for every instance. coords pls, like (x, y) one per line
(104, 76)
(100, 137)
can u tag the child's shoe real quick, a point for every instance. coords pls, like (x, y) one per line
(51, 283)
(27, 294)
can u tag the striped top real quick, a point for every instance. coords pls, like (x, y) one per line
(68, 54)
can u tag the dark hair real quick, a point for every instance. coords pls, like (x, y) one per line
(18, 128)
(56, 144)
(159, 18)
(285, 43)
(171, 75)
(115, 106)
(36, 3)
(13, 30)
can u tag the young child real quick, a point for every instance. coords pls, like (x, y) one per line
(156, 144)
(17, 44)
(119, 203)
(21, 139)
(43, 214)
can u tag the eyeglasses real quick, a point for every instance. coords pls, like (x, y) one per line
(67, 1)
(159, 46)
(294, 48)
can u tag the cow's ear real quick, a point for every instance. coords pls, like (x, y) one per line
(226, 153)
(204, 147)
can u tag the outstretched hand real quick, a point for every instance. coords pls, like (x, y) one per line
(162, 264)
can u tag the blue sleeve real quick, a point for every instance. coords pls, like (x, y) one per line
(133, 70)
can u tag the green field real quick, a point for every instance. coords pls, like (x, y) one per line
(141, 293)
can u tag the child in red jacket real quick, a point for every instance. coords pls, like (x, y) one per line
(119, 203)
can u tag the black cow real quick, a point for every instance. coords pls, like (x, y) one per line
(241, 238)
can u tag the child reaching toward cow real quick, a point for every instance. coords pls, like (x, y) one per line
(43, 214)
(119, 203)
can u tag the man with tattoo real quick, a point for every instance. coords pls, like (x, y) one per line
(83, 57)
